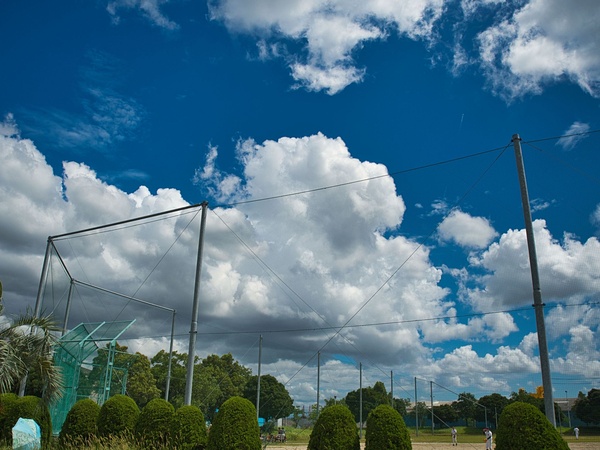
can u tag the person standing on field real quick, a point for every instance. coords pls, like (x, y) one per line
(488, 438)
(454, 434)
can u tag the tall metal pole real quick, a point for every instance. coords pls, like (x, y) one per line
(431, 400)
(392, 387)
(258, 381)
(318, 380)
(538, 305)
(43, 276)
(194, 325)
(68, 308)
(169, 367)
(360, 401)
(416, 410)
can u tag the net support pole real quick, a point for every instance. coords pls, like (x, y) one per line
(194, 325)
(538, 305)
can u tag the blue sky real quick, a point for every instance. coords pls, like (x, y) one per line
(119, 109)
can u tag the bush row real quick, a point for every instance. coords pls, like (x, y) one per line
(235, 427)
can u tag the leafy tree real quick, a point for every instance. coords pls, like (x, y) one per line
(588, 408)
(444, 414)
(275, 401)
(526, 397)
(335, 429)
(522, 425)
(386, 430)
(141, 384)
(121, 364)
(371, 398)
(230, 375)
(402, 405)
(235, 427)
(159, 368)
(465, 406)
(26, 344)
(494, 403)
(422, 412)
(206, 391)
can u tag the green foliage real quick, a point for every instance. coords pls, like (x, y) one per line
(335, 429)
(121, 364)
(189, 429)
(495, 403)
(159, 368)
(235, 427)
(30, 407)
(386, 430)
(141, 384)
(522, 425)
(371, 398)
(8, 403)
(81, 422)
(465, 406)
(226, 373)
(118, 416)
(154, 423)
(588, 408)
(23, 351)
(275, 401)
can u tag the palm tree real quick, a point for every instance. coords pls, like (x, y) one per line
(26, 344)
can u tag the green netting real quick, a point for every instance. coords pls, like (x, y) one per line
(86, 356)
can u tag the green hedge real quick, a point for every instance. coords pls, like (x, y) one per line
(154, 423)
(118, 416)
(334, 429)
(7, 404)
(28, 407)
(235, 427)
(80, 426)
(523, 426)
(189, 429)
(386, 430)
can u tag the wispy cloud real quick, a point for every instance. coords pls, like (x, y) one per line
(575, 134)
(149, 9)
(107, 117)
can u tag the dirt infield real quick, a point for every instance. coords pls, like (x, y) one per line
(441, 446)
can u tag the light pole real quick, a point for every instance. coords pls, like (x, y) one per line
(568, 409)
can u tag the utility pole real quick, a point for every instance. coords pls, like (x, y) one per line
(538, 305)
(318, 380)
(431, 400)
(416, 410)
(360, 402)
(189, 380)
(258, 381)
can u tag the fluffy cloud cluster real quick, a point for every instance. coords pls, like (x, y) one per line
(329, 263)
(543, 42)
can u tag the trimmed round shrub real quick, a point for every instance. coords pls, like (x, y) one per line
(80, 426)
(386, 430)
(154, 423)
(235, 427)
(8, 402)
(31, 407)
(522, 425)
(118, 416)
(334, 429)
(189, 429)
